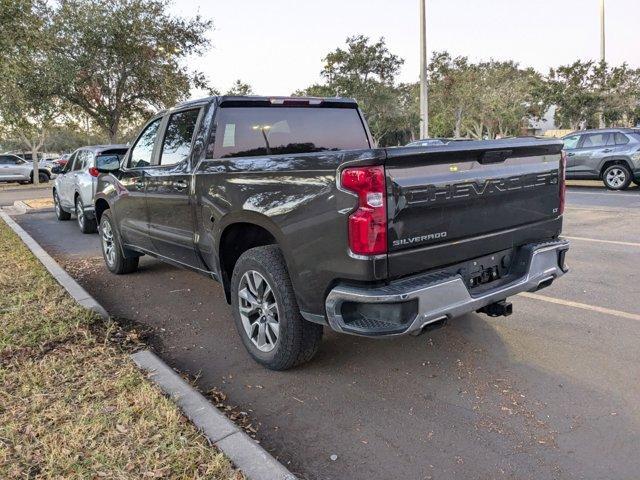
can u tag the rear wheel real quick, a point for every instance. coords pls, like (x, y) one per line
(616, 177)
(266, 313)
(87, 225)
(60, 213)
(112, 248)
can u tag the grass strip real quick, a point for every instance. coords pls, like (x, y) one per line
(72, 404)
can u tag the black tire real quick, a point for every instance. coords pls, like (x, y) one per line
(616, 177)
(42, 177)
(297, 340)
(61, 215)
(119, 264)
(87, 225)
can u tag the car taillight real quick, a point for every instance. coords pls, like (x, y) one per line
(368, 224)
(563, 182)
(93, 171)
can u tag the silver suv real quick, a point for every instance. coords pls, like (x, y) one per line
(75, 187)
(611, 155)
(16, 169)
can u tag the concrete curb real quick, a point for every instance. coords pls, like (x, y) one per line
(62, 277)
(254, 461)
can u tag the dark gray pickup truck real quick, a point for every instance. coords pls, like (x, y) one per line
(287, 203)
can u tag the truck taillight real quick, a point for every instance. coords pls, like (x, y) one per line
(562, 180)
(93, 171)
(368, 224)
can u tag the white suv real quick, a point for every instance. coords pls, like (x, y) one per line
(75, 187)
(16, 169)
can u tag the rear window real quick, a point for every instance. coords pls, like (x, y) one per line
(595, 140)
(256, 131)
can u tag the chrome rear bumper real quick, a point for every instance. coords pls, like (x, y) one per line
(439, 296)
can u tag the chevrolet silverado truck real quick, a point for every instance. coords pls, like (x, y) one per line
(288, 204)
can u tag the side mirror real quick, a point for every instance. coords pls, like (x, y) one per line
(57, 169)
(108, 163)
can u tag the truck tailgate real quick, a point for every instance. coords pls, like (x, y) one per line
(468, 199)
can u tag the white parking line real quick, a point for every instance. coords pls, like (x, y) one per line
(583, 306)
(597, 240)
(610, 194)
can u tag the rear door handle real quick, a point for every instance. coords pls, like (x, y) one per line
(180, 185)
(570, 154)
(607, 150)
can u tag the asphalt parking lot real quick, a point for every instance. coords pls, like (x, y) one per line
(551, 392)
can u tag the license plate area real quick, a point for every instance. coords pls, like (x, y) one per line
(488, 269)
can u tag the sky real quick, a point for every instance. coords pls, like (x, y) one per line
(277, 46)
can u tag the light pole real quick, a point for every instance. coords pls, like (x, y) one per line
(602, 54)
(424, 88)
(602, 36)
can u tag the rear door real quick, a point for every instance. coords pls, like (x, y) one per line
(593, 147)
(84, 182)
(68, 183)
(63, 180)
(131, 208)
(453, 203)
(169, 199)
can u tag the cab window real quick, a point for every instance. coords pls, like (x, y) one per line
(142, 150)
(176, 145)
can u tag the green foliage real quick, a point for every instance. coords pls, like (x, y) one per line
(366, 71)
(586, 91)
(28, 106)
(240, 88)
(120, 60)
(482, 100)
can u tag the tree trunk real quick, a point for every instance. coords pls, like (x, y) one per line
(458, 126)
(114, 126)
(36, 165)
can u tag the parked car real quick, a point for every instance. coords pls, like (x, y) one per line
(16, 169)
(75, 187)
(286, 202)
(611, 155)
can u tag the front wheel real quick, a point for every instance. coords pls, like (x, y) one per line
(616, 177)
(112, 248)
(266, 313)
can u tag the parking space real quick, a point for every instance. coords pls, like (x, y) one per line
(551, 392)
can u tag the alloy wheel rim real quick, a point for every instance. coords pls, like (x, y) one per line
(79, 214)
(108, 246)
(616, 177)
(56, 203)
(259, 311)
